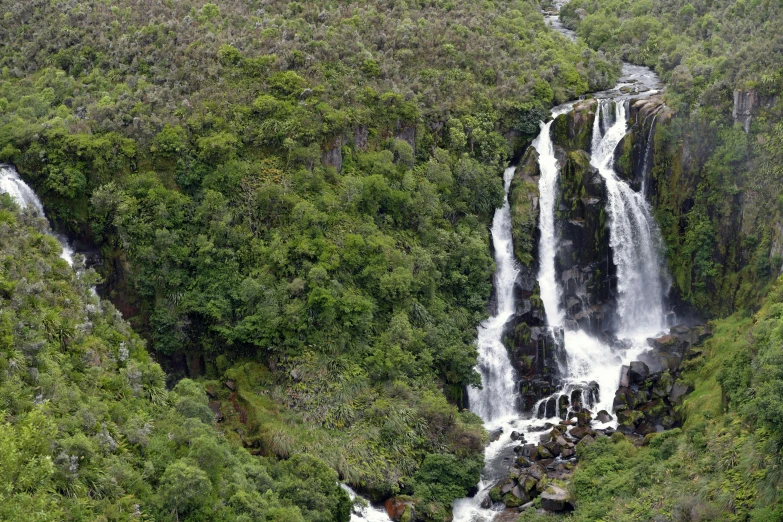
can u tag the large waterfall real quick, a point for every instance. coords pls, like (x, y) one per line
(634, 237)
(592, 364)
(25, 197)
(496, 399)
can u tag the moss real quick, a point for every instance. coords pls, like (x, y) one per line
(523, 194)
(511, 500)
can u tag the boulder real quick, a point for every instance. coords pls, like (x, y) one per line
(543, 453)
(396, 508)
(556, 499)
(580, 432)
(625, 376)
(679, 389)
(638, 371)
(520, 493)
(603, 416)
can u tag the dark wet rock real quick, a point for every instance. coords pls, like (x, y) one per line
(603, 416)
(580, 432)
(638, 371)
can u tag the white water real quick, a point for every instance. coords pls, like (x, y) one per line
(588, 359)
(636, 247)
(366, 512)
(634, 238)
(496, 399)
(547, 245)
(25, 197)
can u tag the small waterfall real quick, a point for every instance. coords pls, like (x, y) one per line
(497, 398)
(367, 513)
(647, 162)
(25, 197)
(634, 238)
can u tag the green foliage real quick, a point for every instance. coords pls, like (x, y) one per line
(88, 430)
(725, 463)
(301, 190)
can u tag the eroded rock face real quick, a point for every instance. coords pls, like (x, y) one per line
(633, 156)
(583, 261)
(745, 101)
(332, 154)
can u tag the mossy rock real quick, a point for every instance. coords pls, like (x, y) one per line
(574, 130)
(523, 200)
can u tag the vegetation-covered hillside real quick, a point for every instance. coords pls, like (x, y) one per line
(718, 187)
(294, 197)
(718, 181)
(88, 430)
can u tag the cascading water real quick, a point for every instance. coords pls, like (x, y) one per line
(25, 197)
(634, 237)
(647, 164)
(497, 397)
(593, 367)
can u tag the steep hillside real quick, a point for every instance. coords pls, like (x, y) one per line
(88, 430)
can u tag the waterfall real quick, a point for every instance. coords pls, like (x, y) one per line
(497, 397)
(25, 197)
(634, 238)
(366, 513)
(547, 245)
(646, 163)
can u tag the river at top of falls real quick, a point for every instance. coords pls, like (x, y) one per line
(636, 250)
(25, 197)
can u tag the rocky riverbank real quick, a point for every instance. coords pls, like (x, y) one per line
(647, 402)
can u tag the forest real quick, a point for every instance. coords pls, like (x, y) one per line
(293, 198)
(285, 207)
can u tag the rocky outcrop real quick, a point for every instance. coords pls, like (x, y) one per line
(332, 154)
(651, 389)
(583, 263)
(523, 201)
(745, 102)
(574, 129)
(633, 157)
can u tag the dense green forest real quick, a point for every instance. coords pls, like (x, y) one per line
(89, 430)
(290, 203)
(294, 197)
